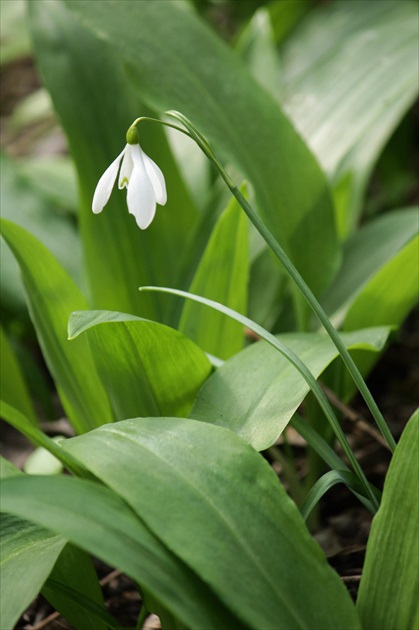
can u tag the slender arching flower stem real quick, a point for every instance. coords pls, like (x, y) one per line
(318, 310)
(288, 266)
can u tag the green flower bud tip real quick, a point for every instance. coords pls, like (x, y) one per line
(132, 135)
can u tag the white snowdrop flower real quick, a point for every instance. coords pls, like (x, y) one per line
(141, 177)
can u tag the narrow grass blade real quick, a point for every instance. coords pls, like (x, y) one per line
(327, 481)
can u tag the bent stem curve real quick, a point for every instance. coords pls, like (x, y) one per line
(296, 278)
(294, 274)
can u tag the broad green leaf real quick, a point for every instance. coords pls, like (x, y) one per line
(20, 422)
(147, 368)
(390, 581)
(27, 206)
(391, 293)
(365, 254)
(257, 392)
(52, 296)
(218, 504)
(74, 573)
(222, 275)
(100, 522)
(28, 554)
(96, 106)
(72, 566)
(12, 384)
(241, 120)
(350, 72)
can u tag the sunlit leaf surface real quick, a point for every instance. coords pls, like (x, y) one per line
(147, 368)
(256, 392)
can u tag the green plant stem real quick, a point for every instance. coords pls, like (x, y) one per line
(318, 310)
(295, 276)
(298, 364)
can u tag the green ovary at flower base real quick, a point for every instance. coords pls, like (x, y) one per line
(141, 177)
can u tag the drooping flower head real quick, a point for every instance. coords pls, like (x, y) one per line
(141, 177)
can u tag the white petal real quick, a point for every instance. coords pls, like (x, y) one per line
(157, 179)
(126, 169)
(141, 199)
(105, 185)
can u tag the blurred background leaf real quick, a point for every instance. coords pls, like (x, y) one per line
(349, 75)
(55, 178)
(14, 35)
